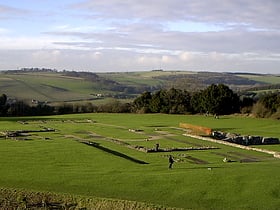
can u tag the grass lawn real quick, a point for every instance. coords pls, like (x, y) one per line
(58, 162)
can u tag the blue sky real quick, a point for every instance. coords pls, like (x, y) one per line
(130, 35)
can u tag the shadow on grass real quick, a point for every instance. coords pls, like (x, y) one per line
(98, 146)
(196, 160)
(26, 118)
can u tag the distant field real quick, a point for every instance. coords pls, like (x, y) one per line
(142, 78)
(57, 87)
(269, 79)
(132, 78)
(51, 87)
(89, 155)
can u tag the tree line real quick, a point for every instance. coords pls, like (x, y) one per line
(216, 99)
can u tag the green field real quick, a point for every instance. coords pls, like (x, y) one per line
(143, 78)
(63, 161)
(269, 79)
(66, 87)
(45, 87)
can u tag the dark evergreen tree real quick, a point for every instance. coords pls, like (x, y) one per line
(196, 103)
(178, 101)
(157, 101)
(41, 109)
(218, 99)
(3, 107)
(19, 108)
(173, 101)
(142, 103)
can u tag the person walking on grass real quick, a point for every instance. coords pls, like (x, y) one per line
(171, 161)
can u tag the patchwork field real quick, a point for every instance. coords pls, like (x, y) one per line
(73, 87)
(45, 87)
(269, 79)
(105, 156)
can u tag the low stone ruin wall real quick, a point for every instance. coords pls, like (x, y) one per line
(243, 139)
(23, 133)
(179, 149)
(274, 153)
(157, 149)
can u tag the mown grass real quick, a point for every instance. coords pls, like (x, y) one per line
(61, 164)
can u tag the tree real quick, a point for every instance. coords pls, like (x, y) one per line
(267, 105)
(114, 106)
(259, 110)
(196, 102)
(41, 109)
(246, 104)
(142, 103)
(158, 102)
(172, 101)
(19, 108)
(64, 108)
(178, 101)
(271, 101)
(3, 100)
(216, 99)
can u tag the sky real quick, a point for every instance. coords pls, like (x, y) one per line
(141, 35)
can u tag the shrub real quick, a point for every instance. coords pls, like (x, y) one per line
(259, 110)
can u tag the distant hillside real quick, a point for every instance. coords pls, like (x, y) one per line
(187, 80)
(265, 78)
(68, 86)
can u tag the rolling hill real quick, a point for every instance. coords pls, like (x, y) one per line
(69, 86)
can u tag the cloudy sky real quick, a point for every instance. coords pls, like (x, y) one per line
(134, 35)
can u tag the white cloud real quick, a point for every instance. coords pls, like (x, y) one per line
(167, 59)
(186, 56)
(39, 42)
(149, 60)
(46, 57)
(254, 12)
(140, 35)
(115, 60)
(23, 43)
(96, 55)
